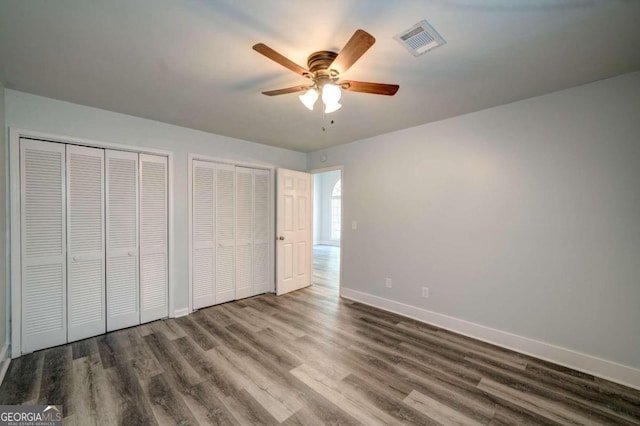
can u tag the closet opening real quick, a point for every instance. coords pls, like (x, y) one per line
(91, 238)
(327, 229)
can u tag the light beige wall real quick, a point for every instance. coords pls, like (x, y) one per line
(524, 218)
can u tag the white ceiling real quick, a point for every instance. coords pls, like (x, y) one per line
(190, 62)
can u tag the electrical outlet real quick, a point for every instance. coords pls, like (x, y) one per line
(389, 284)
(425, 291)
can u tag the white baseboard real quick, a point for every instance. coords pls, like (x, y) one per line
(599, 367)
(4, 361)
(181, 312)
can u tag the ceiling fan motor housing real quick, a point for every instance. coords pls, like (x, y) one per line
(319, 63)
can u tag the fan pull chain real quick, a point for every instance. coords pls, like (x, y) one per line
(324, 117)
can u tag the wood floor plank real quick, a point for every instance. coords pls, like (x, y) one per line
(84, 348)
(168, 327)
(167, 405)
(205, 340)
(214, 368)
(598, 406)
(259, 384)
(437, 411)
(22, 379)
(358, 408)
(553, 410)
(279, 355)
(172, 361)
(379, 396)
(204, 402)
(57, 377)
(247, 410)
(130, 406)
(90, 392)
(285, 329)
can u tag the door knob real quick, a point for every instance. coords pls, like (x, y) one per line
(131, 254)
(281, 238)
(76, 258)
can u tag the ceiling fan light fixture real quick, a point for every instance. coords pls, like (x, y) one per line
(331, 94)
(329, 108)
(309, 98)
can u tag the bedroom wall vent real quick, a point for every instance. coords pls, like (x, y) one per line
(420, 39)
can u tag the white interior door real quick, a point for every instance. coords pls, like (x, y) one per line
(153, 238)
(225, 235)
(261, 236)
(294, 229)
(43, 243)
(123, 290)
(244, 232)
(85, 242)
(203, 238)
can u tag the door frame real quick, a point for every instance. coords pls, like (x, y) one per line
(14, 262)
(272, 229)
(342, 222)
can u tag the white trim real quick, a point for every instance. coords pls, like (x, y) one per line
(17, 133)
(201, 157)
(16, 266)
(589, 364)
(181, 312)
(172, 268)
(14, 181)
(338, 243)
(326, 169)
(190, 229)
(195, 156)
(4, 361)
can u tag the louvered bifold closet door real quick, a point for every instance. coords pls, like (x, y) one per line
(261, 235)
(85, 242)
(153, 238)
(225, 235)
(43, 243)
(244, 232)
(123, 291)
(203, 258)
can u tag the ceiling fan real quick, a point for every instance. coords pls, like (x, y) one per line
(325, 70)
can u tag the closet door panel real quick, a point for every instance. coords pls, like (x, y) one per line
(123, 301)
(225, 233)
(244, 232)
(85, 242)
(261, 231)
(43, 244)
(203, 237)
(153, 238)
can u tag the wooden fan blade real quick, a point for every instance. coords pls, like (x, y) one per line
(359, 43)
(293, 89)
(276, 57)
(366, 87)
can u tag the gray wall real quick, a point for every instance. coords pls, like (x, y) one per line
(323, 187)
(47, 115)
(3, 225)
(524, 217)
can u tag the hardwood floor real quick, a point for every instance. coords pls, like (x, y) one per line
(326, 267)
(306, 358)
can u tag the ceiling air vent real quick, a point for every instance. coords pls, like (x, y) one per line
(420, 38)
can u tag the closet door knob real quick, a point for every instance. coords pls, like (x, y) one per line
(281, 238)
(77, 258)
(131, 253)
